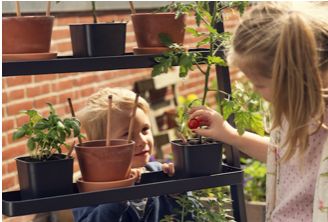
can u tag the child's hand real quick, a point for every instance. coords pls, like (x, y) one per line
(168, 168)
(138, 171)
(216, 128)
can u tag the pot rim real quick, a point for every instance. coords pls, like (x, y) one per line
(82, 146)
(155, 14)
(43, 161)
(28, 17)
(102, 23)
(175, 142)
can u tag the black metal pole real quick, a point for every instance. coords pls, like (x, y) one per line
(232, 154)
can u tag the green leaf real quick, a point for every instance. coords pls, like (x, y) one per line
(228, 109)
(216, 60)
(18, 134)
(256, 123)
(31, 144)
(165, 39)
(193, 31)
(204, 41)
(41, 125)
(76, 129)
(242, 121)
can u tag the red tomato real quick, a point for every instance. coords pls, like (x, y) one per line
(193, 124)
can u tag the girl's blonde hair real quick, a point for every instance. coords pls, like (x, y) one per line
(93, 116)
(291, 44)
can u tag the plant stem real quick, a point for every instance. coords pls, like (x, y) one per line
(93, 3)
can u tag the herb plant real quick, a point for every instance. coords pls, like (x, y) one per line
(46, 135)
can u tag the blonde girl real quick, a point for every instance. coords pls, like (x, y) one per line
(283, 49)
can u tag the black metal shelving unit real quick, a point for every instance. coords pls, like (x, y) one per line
(13, 205)
(152, 184)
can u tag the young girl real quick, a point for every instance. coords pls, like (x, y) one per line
(283, 50)
(94, 120)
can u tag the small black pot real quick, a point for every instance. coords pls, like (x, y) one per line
(197, 159)
(101, 39)
(45, 178)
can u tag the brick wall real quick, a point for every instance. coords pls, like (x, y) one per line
(26, 92)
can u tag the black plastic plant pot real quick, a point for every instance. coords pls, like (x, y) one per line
(101, 39)
(45, 178)
(194, 159)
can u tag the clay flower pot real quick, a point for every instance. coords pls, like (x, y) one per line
(86, 186)
(101, 163)
(101, 39)
(194, 159)
(148, 26)
(26, 34)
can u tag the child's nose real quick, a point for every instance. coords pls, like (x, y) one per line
(141, 140)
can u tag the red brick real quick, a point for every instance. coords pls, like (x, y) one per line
(19, 80)
(59, 21)
(64, 96)
(42, 102)
(11, 166)
(63, 85)
(13, 152)
(38, 90)
(86, 80)
(61, 34)
(49, 77)
(21, 120)
(7, 125)
(4, 140)
(4, 97)
(87, 92)
(16, 108)
(8, 182)
(64, 47)
(16, 94)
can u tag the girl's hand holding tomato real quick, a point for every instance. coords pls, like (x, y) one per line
(216, 127)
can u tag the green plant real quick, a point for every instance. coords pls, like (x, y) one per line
(208, 205)
(177, 55)
(46, 135)
(255, 179)
(248, 107)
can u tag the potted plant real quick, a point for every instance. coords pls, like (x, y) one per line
(255, 177)
(202, 156)
(46, 171)
(27, 37)
(169, 21)
(98, 39)
(106, 163)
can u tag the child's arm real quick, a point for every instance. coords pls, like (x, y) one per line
(249, 143)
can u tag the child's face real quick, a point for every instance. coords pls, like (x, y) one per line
(141, 134)
(262, 84)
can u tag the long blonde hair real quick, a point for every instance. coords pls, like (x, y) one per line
(291, 44)
(93, 116)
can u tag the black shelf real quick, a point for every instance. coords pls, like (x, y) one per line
(82, 64)
(152, 184)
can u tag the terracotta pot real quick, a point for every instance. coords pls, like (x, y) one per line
(86, 186)
(147, 27)
(255, 211)
(26, 34)
(100, 163)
